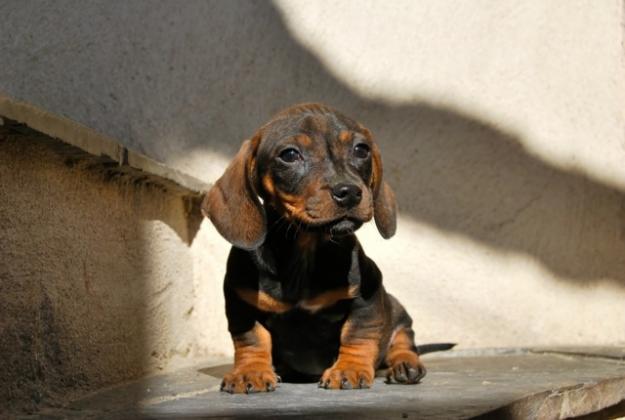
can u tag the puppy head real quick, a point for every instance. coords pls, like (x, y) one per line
(314, 167)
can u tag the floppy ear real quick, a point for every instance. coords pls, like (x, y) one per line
(232, 203)
(384, 204)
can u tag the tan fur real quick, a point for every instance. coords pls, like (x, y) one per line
(252, 363)
(329, 298)
(263, 301)
(232, 203)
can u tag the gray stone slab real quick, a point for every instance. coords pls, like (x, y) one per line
(516, 384)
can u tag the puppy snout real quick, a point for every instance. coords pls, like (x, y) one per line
(346, 195)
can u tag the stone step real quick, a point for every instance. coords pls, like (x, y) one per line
(541, 383)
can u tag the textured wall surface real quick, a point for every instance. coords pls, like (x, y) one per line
(501, 125)
(98, 282)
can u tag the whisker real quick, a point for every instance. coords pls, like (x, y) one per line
(288, 228)
(278, 220)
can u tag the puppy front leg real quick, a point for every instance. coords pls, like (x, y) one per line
(245, 310)
(359, 350)
(252, 363)
(405, 366)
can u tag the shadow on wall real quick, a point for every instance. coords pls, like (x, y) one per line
(209, 73)
(451, 170)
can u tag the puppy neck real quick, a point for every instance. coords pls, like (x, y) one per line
(285, 237)
(291, 254)
(305, 239)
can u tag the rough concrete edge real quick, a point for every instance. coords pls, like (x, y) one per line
(561, 403)
(92, 142)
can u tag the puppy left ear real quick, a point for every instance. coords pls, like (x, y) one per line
(232, 203)
(384, 204)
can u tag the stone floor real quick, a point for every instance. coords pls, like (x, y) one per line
(540, 383)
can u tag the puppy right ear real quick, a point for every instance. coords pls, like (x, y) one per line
(232, 203)
(384, 204)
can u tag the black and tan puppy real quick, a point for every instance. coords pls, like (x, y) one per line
(301, 295)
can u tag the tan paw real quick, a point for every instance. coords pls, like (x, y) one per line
(250, 379)
(347, 376)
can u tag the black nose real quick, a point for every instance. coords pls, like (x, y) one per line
(346, 195)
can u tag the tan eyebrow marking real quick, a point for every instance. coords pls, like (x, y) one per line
(345, 136)
(303, 139)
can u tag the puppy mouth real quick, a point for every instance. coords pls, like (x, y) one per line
(341, 224)
(338, 227)
(342, 227)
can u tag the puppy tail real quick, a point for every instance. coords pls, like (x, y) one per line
(430, 348)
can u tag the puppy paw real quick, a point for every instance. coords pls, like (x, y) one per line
(344, 376)
(250, 379)
(405, 368)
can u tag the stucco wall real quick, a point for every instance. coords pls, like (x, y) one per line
(98, 280)
(501, 125)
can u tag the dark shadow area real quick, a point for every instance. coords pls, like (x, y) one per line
(170, 81)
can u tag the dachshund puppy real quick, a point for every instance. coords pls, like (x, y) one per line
(301, 295)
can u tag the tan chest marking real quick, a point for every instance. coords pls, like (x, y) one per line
(266, 303)
(263, 301)
(329, 298)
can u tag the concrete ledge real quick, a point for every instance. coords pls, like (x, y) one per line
(92, 142)
(511, 383)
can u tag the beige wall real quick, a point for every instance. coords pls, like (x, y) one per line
(503, 131)
(513, 221)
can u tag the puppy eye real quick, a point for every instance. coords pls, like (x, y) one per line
(290, 155)
(361, 151)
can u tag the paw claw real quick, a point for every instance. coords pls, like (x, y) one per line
(415, 375)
